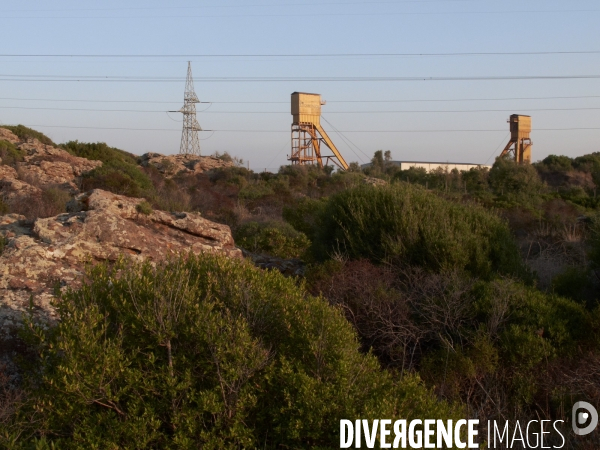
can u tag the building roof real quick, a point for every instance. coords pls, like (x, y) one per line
(443, 163)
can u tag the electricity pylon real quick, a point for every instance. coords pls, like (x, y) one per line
(190, 144)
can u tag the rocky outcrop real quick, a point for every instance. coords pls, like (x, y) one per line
(7, 135)
(171, 165)
(101, 226)
(42, 166)
(11, 188)
(374, 181)
(51, 166)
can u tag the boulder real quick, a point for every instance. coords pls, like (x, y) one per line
(42, 166)
(374, 181)
(7, 135)
(51, 166)
(13, 189)
(171, 165)
(50, 252)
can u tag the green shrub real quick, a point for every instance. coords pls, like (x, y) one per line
(24, 132)
(144, 208)
(256, 190)
(111, 180)
(203, 352)
(476, 179)
(4, 209)
(517, 181)
(554, 163)
(406, 223)
(589, 163)
(594, 241)
(274, 238)
(119, 172)
(99, 151)
(10, 154)
(477, 341)
(575, 283)
(414, 175)
(3, 243)
(303, 215)
(301, 177)
(54, 201)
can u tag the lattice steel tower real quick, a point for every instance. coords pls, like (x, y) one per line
(190, 144)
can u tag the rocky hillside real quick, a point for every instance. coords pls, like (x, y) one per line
(35, 166)
(65, 228)
(173, 165)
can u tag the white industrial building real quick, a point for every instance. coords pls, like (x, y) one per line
(431, 166)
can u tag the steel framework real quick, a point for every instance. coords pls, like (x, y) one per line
(190, 143)
(308, 135)
(520, 141)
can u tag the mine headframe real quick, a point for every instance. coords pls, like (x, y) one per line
(308, 137)
(519, 146)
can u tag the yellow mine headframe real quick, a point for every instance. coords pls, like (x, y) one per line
(520, 128)
(307, 133)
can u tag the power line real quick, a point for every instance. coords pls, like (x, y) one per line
(346, 140)
(313, 16)
(329, 101)
(295, 55)
(248, 5)
(432, 111)
(123, 79)
(497, 148)
(287, 131)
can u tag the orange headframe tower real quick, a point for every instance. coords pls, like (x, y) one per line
(307, 133)
(520, 128)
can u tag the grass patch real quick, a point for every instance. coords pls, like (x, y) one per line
(144, 208)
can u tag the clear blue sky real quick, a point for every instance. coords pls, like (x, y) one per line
(300, 27)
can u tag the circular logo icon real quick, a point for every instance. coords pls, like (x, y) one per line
(582, 411)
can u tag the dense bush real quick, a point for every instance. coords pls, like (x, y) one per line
(202, 352)
(303, 215)
(54, 201)
(101, 152)
(119, 172)
(594, 241)
(9, 154)
(144, 208)
(256, 190)
(515, 180)
(576, 283)
(406, 223)
(50, 202)
(273, 238)
(589, 163)
(4, 209)
(485, 343)
(3, 243)
(24, 132)
(555, 163)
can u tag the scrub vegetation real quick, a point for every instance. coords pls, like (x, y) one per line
(444, 294)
